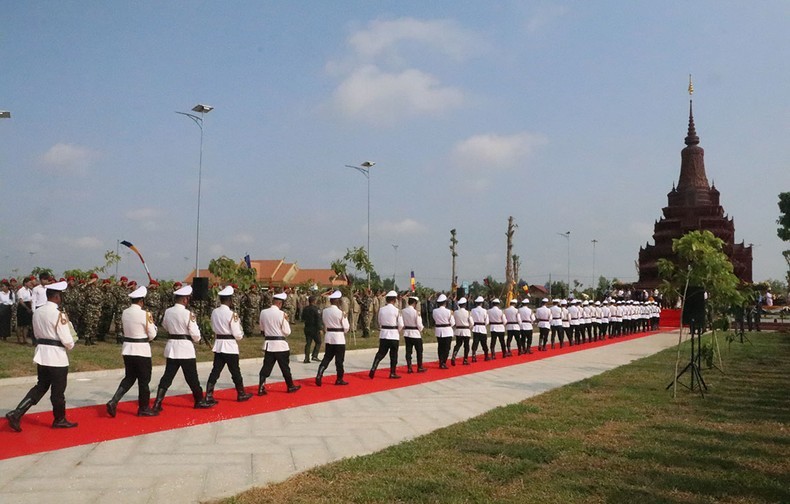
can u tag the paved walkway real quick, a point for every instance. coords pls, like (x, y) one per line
(223, 458)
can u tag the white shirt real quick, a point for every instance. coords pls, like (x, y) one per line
(7, 298)
(556, 315)
(137, 324)
(225, 321)
(544, 317)
(575, 314)
(389, 317)
(527, 317)
(462, 322)
(479, 317)
(39, 296)
(274, 323)
(24, 295)
(412, 323)
(442, 316)
(497, 319)
(513, 318)
(566, 317)
(51, 324)
(334, 318)
(180, 321)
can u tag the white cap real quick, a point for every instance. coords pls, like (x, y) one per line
(139, 292)
(556, 301)
(495, 301)
(415, 298)
(586, 303)
(597, 303)
(479, 299)
(184, 291)
(564, 303)
(514, 301)
(59, 286)
(462, 301)
(544, 300)
(281, 296)
(441, 299)
(525, 301)
(336, 295)
(392, 293)
(227, 291)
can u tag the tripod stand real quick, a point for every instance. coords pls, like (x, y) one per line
(693, 367)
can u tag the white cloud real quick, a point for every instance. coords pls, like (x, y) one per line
(403, 227)
(483, 153)
(388, 37)
(379, 97)
(84, 242)
(142, 214)
(69, 158)
(544, 16)
(243, 239)
(216, 250)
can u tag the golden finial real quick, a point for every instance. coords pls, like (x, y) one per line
(691, 86)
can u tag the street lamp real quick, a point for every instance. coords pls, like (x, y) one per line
(567, 236)
(202, 110)
(4, 114)
(364, 169)
(395, 269)
(593, 241)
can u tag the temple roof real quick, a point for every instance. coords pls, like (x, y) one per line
(692, 166)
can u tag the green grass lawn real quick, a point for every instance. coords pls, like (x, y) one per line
(17, 360)
(617, 437)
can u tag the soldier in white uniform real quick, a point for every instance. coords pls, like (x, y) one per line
(527, 318)
(556, 321)
(575, 314)
(412, 334)
(566, 323)
(390, 325)
(182, 330)
(226, 325)
(275, 328)
(496, 319)
(479, 318)
(443, 325)
(587, 318)
(543, 314)
(138, 330)
(336, 326)
(513, 326)
(462, 331)
(52, 330)
(596, 320)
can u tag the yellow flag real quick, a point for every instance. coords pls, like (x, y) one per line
(691, 86)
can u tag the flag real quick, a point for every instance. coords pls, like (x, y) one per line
(132, 247)
(691, 86)
(413, 282)
(247, 261)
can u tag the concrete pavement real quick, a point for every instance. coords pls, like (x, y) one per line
(223, 458)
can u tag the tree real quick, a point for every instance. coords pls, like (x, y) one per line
(454, 254)
(111, 258)
(232, 272)
(783, 231)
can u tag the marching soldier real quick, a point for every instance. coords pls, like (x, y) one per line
(513, 325)
(336, 324)
(443, 323)
(226, 325)
(479, 318)
(556, 321)
(139, 329)
(527, 318)
(543, 314)
(54, 338)
(182, 329)
(275, 328)
(412, 334)
(497, 320)
(461, 331)
(566, 323)
(390, 325)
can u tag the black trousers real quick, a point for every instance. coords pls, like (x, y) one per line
(444, 348)
(459, 341)
(525, 341)
(232, 361)
(138, 369)
(511, 334)
(55, 377)
(496, 335)
(282, 360)
(313, 340)
(544, 336)
(5, 321)
(416, 344)
(479, 339)
(391, 346)
(189, 368)
(556, 330)
(337, 352)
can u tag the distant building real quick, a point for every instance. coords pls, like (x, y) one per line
(278, 273)
(693, 206)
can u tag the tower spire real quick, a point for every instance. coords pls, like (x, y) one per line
(691, 138)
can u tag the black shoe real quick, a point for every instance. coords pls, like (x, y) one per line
(315, 359)
(63, 424)
(202, 404)
(422, 369)
(466, 362)
(340, 381)
(147, 412)
(306, 361)
(474, 358)
(261, 389)
(394, 376)
(409, 369)
(112, 409)
(452, 362)
(442, 366)
(293, 388)
(242, 396)
(13, 421)
(372, 373)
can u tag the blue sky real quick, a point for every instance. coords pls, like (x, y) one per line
(566, 115)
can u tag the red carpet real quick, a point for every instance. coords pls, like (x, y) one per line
(96, 426)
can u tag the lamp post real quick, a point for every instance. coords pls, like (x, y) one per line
(4, 114)
(364, 169)
(567, 236)
(202, 110)
(593, 241)
(395, 269)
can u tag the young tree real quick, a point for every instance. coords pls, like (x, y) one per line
(783, 231)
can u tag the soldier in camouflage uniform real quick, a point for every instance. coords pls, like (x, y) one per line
(92, 297)
(366, 312)
(251, 311)
(354, 314)
(121, 301)
(153, 301)
(107, 309)
(266, 298)
(71, 304)
(289, 307)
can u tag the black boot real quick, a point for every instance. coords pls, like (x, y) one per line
(201, 403)
(160, 396)
(320, 376)
(393, 374)
(340, 380)
(113, 404)
(15, 416)
(146, 412)
(210, 394)
(452, 361)
(373, 368)
(262, 388)
(409, 369)
(241, 394)
(62, 423)
(293, 388)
